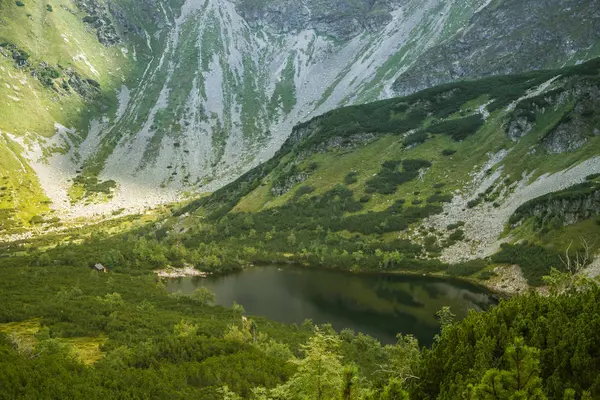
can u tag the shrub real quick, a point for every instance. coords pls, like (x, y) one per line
(448, 152)
(415, 165)
(466, 268)
(456, 225)
(47, 75)
(575, 193)
(592, 177)
(49, 8)
(457, 235)
(89, 19)
(389, 178)
(417, 201)
(351, 178)
(487, 275)
(535, 261)
(302, 190)
(19, 3)
(458, 129)
(365, 198)
(439, 185)
(474, 202)
(415, 138)
(36, 220)
(439, 198)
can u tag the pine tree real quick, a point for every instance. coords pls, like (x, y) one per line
(319, 374)
(520, 382)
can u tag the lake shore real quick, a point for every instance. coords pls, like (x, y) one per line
(171, 272)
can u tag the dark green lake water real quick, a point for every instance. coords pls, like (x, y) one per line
(378, 305)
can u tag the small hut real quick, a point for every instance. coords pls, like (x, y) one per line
(99, 267)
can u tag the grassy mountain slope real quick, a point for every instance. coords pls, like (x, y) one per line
(62, 65)
(135, 104)
(43, 48)
(401, 183)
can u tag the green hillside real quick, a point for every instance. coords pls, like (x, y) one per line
(361, 187)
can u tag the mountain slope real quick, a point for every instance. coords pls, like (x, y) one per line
(164, 98)
(449, 173)
(506, 37)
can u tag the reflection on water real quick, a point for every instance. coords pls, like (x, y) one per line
(379, 305)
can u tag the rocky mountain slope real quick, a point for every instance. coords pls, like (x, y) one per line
(506, 37)
(133, 105)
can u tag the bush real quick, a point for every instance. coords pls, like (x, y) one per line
(535, 261)
(365, 198)
(302, 190)
(457, 235)
(474, 202)
(19, 3)
(389, 178)
(448, 152)
(487, 275)
(466, 268)
(575, 193)
(592, 177)
(415, 138)
(458, 129)
(49, 8)
(89, 19)
(351, 178)
(415, 165)
(456, 225)
(439, 198)
(36, 220)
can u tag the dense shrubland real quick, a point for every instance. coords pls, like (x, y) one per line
(160, 345)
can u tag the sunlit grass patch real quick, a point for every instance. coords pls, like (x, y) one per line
(23, 333)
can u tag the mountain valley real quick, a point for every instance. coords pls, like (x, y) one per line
(202, 199)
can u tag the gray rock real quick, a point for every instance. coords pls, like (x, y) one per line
(283, 186)
(566, 137)
(514, 37)
(340, 19)
(86, 88)
(518, 128)
(574, 129)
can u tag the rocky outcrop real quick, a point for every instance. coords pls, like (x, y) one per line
(518, 127)
(286, 183)
(567, 211)
(86, 88)
(509, 37)
(20, 56)
(575, 129)
(99, 19)
(340, 19)
(568, 136)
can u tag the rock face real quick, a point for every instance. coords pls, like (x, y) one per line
(98, 18)
(574, 130)
(340, 19)
(507, 37)
(566, 211)
(568, 136)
